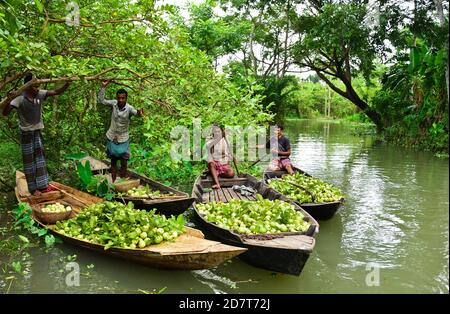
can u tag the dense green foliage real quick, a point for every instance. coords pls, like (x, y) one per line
(131, 44)
(98, 184)
(22, 214)
(385, 62)
(393, 73)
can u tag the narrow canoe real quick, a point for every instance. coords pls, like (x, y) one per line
(320, 211)
(287, 253)
(190, 251)
(177, 204)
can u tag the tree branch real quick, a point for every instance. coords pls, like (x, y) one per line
(332, 86)
(89, 54)
(63, 21)
(12, 78)
(35, 81)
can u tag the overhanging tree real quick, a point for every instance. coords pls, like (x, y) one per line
(335, 42)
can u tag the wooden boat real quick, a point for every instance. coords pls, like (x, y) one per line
(320, 211)
(177, 203)
(284, 253)
(190, 251)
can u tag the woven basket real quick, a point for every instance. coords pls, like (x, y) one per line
(127, 185)
(50, 218)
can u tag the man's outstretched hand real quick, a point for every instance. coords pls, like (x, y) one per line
(105, 83)
(140, 112)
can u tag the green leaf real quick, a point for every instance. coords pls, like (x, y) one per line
(23, 220)
(35, 230)
(24, 239)
(85, 173)
(17, 267)
(49, 240)
(39, 5)
(42, 232)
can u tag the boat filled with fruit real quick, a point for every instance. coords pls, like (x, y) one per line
(318, 198)
(146, 193)
(120, 230)
(277, 233)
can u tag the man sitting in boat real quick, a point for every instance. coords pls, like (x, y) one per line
(219, 156)
(118, 141)
(29, 109)
(281, 150)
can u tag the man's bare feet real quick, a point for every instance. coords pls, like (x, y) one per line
(37, 193)
(48, 189)
(216, 186)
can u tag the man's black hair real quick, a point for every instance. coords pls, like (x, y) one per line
(280, 126)
(122, 91)
(28, 78)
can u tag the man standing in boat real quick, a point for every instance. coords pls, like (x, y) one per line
(281, 150)
(118, 141)
(29, 109)
(219, 156)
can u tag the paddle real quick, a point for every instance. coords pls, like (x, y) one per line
(259, 160)
(235, 165)
(68, 194)
(234, 159)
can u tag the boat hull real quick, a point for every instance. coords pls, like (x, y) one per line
(287, 254)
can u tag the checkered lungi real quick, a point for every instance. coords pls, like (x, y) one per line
(34, 160)
(279, 164)
(221, 168)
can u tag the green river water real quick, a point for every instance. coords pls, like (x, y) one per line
(391, 235)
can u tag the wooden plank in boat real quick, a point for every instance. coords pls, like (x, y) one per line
(205, 197)
(184, 244)
(22, 190)
(231, 180)
(21, 184)
(96, 165)
(222, 195)
(233, 193)
(224, 182)
(216, 195)
(227, 193)
(296, 242)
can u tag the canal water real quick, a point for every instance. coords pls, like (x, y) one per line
(391, 235)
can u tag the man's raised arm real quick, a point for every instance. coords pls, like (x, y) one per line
(101, 95)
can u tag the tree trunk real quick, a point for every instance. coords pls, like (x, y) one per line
(329, 103)
(351, 95)
(252, 54)
(285, 57)
(361, 104)
(440, 12)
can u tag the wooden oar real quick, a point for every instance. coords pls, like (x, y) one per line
(235, 165)
(71, 195)
(234, 159)
(259, 160)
